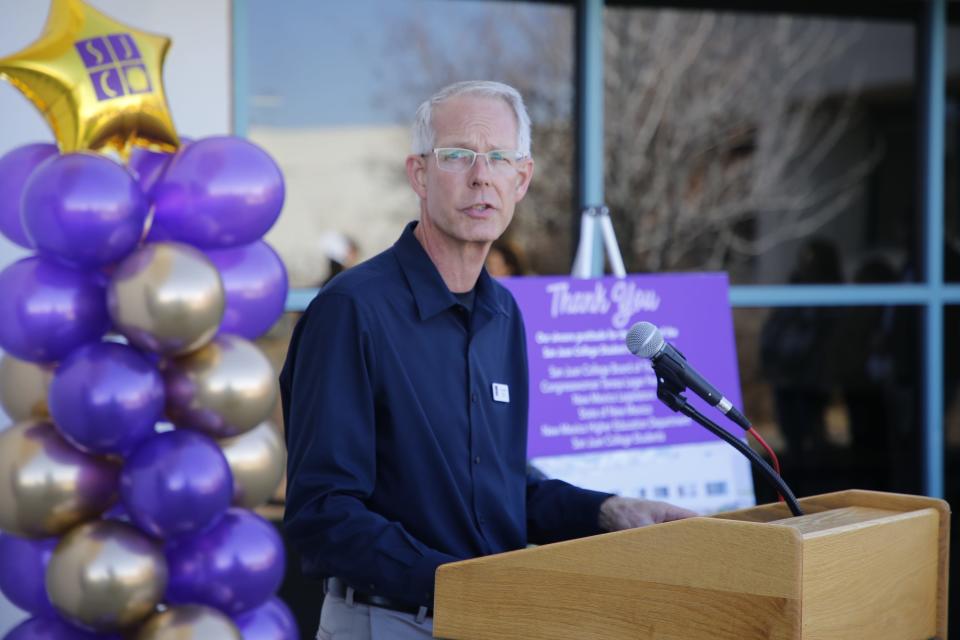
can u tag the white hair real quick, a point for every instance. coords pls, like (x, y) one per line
(424, 134)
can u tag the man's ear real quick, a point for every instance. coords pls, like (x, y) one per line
(524, 175)
(417, 175)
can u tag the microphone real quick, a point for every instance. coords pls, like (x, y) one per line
(675, 375)
(645, 341)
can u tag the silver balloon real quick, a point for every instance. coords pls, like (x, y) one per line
(23, 388)
(167, 298)
(257, 460)
(106, 575)
(189, 622)
(222, 390)
(46, 485)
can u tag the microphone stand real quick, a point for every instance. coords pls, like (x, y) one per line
(670, 386)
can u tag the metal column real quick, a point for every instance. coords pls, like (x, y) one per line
(933, 102)
(589, 34)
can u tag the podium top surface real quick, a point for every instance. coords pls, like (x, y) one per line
(837, 503)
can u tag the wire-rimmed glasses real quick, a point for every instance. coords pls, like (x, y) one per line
(457, 160)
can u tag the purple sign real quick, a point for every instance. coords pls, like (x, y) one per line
(115, 66)
(588, 393)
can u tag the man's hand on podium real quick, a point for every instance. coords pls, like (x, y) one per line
(617, 513)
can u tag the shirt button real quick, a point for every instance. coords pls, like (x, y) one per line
(476, 460)
(481, 519)
(473, 397)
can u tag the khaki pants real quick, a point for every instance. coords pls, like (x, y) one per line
(342, 621)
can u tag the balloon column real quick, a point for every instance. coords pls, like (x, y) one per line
(149, 281)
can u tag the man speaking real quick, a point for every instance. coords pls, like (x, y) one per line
(405, 393)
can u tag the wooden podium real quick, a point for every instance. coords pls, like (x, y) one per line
(859, 565)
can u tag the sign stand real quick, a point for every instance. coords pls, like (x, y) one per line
(583, 264)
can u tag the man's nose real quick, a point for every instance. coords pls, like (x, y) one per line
(480, 172)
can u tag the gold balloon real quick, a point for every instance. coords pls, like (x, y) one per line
(23, 388)
(167, 298)
(96, 81)
(257, 460)
(46, 485)
(189, 622)
(222, 390)
(106, 575)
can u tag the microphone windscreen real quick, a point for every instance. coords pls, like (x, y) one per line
(644, 340)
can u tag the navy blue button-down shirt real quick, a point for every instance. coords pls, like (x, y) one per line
(399, 457)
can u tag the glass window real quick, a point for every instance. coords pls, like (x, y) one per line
(333, 100)
(734, 140)
(952, 150)
(951, 396)
(951, 430)
(834, 390)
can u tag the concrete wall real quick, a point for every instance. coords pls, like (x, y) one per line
(197, 80)
(346, 179)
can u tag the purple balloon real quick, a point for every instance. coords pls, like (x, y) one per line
(270, 621)
(216, 193)
(84, 209)
(255, 283)
(106, 398)
(117, 512)
(147, 166)
(234, 566)
(176, 483)
(24, 565)
(52, 629)
(15, 168)
(47, 310)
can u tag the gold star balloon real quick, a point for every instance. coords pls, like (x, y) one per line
(96, 81)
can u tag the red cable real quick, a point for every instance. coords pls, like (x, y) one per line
(773, 456)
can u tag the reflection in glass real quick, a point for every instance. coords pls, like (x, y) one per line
(952, 167)
(730, 137)
(743, 135)
(334, 98)
(951, 383)
(835, 391)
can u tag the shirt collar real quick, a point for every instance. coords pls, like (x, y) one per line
(429, 290)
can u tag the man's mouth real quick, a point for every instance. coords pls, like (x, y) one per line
(480, 208)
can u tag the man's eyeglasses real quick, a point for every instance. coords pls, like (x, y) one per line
(455, 160)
